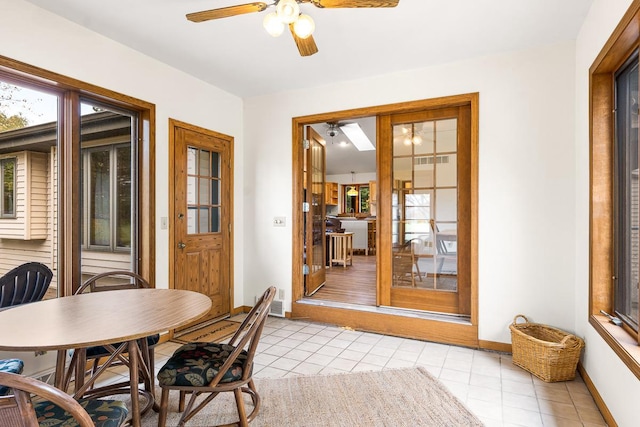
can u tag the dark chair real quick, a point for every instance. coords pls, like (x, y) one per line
(53, 407)
(114, 280)
(214, 368)
(12, 366)
(24, 284)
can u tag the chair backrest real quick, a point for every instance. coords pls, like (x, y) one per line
(112, 280)
(24, 284)
(16, 410)
(248, 335)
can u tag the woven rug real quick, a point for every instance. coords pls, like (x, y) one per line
(215, 332)
(394, 398)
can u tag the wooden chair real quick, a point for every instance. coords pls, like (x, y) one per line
(230, 366)
(12, 366)
(405, 265)
(24, 284)
(113, 280)
(53, 407)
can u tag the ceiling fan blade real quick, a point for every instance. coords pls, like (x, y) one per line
(225, 12)
(306, 47)
(354, 3)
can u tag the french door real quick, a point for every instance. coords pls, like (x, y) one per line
(425, 177)
(314, 207)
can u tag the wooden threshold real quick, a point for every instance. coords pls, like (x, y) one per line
(457, 332)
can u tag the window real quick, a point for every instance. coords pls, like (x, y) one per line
(107, 193)
(614, 209)
(356, 198)
(626, 191)
(7, 188)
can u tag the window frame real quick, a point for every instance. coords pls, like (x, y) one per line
(72, 93)
(359, 199)
(624, 40)
(3, 162)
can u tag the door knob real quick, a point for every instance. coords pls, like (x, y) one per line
(182, 245)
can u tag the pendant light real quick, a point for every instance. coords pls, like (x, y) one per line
(352, 192)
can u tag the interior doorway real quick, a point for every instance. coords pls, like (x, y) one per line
(424, 190)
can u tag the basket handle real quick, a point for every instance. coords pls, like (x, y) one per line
(515, 319)
(569, 337)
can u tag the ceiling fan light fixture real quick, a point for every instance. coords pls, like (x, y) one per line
(288, 11)
(273, 24)
(304, 26)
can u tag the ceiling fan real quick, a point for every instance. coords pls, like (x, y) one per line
(288, 13)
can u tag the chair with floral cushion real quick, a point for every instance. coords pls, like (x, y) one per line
(53, 407)
(214, 368)
(12, 366)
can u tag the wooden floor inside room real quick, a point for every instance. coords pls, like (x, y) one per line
(355, 284)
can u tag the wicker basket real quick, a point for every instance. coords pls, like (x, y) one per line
(548, 353)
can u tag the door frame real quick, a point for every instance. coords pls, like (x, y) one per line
(446, 330)
(173, 124)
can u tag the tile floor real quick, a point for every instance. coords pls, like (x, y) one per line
(498, 392)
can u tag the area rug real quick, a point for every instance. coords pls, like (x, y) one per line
(215, 332)
(398, 397)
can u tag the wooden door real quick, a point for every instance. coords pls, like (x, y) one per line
(315, 241)
(427, 185)
(201, 223)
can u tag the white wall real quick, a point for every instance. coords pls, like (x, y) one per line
(526, 176)
(614, 381)
(39, 38)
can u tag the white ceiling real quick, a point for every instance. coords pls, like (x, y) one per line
(237, 55)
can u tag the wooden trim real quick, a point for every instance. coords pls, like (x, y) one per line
(402, 326)
(623, 41)
(617, 343)
(495, 346)
(604, 410)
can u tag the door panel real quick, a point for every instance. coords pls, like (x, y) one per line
(428, 210)
(201, 216)
(315, 241)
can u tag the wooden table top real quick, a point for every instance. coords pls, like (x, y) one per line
(98, 318)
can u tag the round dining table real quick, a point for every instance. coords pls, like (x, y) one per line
(99, 319)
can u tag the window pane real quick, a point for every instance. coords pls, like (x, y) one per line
(215, 192)
(205, 163)
(215, 220)
(28, 177)
(8, 168)
(99, 198)
(446, 170)
(215, 165)
(627, 224)
(204, 193)
(123, 234)
(423, 171)
(446, 135)
(203, 220)
(192, 160)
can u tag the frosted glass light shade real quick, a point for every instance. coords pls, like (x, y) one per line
(273, 24)
(288, 10)
(304, 26)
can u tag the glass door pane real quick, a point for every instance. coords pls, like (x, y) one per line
(108, 189)
(424, 205)
(28, 178)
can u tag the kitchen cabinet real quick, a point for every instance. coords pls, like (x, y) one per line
(331, 193)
